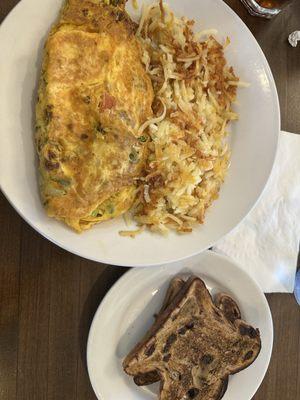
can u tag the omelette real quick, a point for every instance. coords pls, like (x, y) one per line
(94, 94)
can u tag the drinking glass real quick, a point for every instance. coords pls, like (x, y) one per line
(265, 8)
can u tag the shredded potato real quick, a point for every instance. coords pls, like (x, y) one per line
(132, 233)
(188, 153)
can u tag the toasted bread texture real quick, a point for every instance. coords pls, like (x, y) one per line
(175, 285)
(194, 347)
(222, 300)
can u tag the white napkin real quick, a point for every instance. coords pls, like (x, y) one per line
(266, 243)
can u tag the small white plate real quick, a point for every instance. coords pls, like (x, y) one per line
(253, 139)
(127, 312)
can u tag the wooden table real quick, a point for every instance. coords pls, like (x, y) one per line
(48, 296)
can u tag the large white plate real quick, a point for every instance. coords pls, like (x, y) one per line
(127, 311)
(254, 137)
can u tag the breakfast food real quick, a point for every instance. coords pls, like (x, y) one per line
(131, 117)
(174, 288)
(194, 345)
(188, 155)
(223, 301)
(94, 95)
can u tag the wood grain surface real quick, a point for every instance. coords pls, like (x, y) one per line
(49, 296)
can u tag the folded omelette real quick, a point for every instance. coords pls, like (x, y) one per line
(94, 94)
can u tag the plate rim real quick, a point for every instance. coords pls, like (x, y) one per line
(209, 253)
(102, 258)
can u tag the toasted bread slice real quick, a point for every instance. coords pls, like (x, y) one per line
(175, 285)
(194, 347)
(222, 300)
(214, 391)
(151, 377)
(228, 306)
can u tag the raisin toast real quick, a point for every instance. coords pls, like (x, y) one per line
(151, 377)
(193, 347)
(222, 301)
(216, 390)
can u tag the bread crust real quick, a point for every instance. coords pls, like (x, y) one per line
(223, 343)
